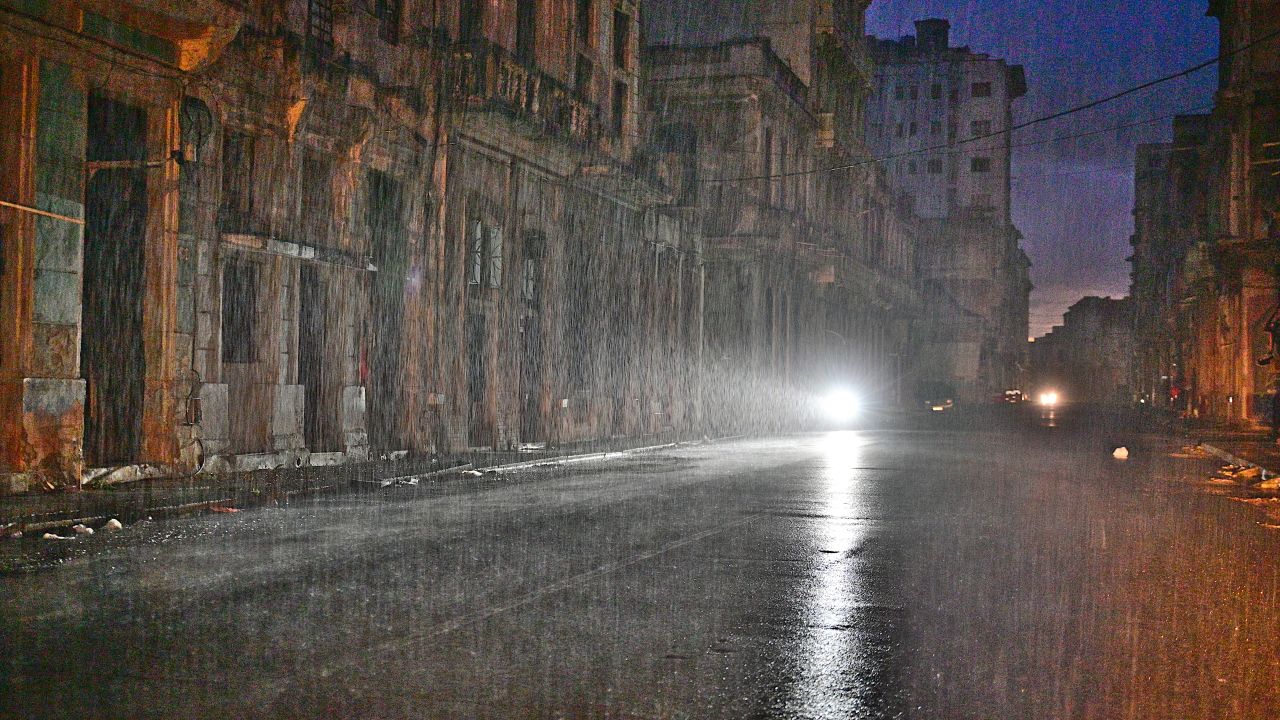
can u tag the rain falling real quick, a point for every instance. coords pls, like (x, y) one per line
(639, 359)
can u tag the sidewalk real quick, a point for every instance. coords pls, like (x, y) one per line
(1246, 448)
(35, 513)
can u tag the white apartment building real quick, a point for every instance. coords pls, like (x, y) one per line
(937, 115)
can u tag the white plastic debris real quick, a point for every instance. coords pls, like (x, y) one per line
(82, 529)
(471, 473)
(112, 525)
(51, 536)
(1120, 453)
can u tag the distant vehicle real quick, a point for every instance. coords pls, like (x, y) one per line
(935, 396)
(940, 405)
(1012, 397)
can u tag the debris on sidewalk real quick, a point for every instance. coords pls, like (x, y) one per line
(1120, 453)
(52, 536)
(472, 473)
(112, 525)
(1191, 452)
(81, 529)
(223, 509)
(1248, 474)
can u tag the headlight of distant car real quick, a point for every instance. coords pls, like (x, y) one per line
(1049, 398)
(839, 405)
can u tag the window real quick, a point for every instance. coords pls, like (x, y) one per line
(582, 72)
(912, 129)
(981, 89)
(235, 213)
(582, 21)
(526, 31)
(935, 91)
(980, 164)
(484, 256)
(320, 28)
(955, 95)
(899, 92)
(619, 107)
(935, 127)
(767, 165)
(314, 208)
(471, 21)
(782, 170)
(915, 93)
(388, 13)
(899, 130)
(530, 292)
(912, 167)
(621, 38)
(978, 128)
(951, 132)
(239, 311)
(935, 166)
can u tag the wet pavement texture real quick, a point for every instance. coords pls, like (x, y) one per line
(971, 567)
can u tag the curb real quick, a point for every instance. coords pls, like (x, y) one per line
(1267, 473)
(166, 507)
(553, 462)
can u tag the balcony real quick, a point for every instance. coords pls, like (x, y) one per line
(486, 77)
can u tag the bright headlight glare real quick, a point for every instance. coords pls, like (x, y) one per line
(840, 405)
(1049, 398)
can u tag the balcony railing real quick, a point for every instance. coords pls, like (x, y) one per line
(486, 76)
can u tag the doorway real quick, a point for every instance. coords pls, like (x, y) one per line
(319, 417)
(387, 231)
(111, 348)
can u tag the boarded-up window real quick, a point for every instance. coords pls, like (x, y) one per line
(239, 311)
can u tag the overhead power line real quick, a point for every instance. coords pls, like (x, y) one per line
(1019, 126)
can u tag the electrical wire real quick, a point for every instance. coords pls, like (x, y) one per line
(1017, 126)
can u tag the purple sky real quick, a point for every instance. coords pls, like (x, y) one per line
(1073, 199)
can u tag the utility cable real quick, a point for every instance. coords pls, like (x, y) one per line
(1017, 126)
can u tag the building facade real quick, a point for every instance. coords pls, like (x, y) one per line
(939, 116)
(1205, 245)
(290, 232)
(1087, 359)
(810, 271)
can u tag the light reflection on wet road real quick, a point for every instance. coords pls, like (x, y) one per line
(1012, 571)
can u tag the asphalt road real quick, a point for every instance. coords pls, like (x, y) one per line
(965, 569)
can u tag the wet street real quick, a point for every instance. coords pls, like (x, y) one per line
(966, 568)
